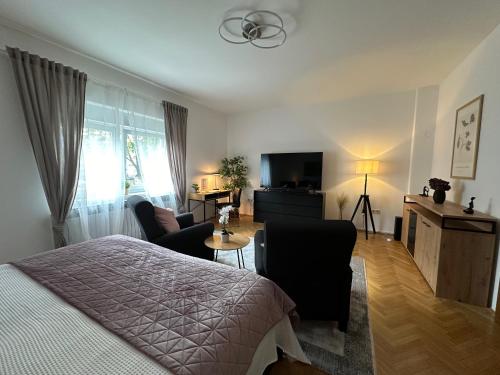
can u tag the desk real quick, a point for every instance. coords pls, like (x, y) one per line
(206, 196)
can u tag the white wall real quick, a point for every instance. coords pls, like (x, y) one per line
(368, 127)
(26, 229)
(422, 148)
(477, 74)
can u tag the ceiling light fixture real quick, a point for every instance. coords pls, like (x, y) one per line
(261, 28)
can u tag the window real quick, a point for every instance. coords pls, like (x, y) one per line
(133, 175)
(123, 149)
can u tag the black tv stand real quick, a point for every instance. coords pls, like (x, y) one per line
(291, 190)
(288, 203)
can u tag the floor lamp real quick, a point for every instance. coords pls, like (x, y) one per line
(366, 167)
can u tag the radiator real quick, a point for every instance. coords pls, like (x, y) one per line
(130, 225)
(73, 230)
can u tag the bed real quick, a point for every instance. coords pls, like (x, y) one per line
(118, 305)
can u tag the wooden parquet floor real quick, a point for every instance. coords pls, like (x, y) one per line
(415, 333)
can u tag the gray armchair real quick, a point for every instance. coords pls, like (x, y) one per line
(189, 240)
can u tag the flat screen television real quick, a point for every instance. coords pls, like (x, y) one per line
(291, 170)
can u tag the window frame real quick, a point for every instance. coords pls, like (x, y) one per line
(121, 129)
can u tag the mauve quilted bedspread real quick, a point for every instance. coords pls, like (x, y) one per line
(192, 316)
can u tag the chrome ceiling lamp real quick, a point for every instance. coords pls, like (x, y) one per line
(261, 28)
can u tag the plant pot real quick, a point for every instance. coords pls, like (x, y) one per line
(439, 196)
(224, 237)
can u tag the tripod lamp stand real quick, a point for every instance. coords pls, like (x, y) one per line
(366, 167)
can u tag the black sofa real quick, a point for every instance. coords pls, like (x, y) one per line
(189, 240)
(310, 261)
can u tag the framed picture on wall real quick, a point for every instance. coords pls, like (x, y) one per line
(466, 140)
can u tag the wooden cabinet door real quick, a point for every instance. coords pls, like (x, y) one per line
(406, 225)
(431, 252)
(427, 244)
(418, 255)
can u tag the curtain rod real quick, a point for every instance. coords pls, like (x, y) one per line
(107, 83)
(32, 34)
(22, 30)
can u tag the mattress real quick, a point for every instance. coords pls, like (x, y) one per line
(42, 334)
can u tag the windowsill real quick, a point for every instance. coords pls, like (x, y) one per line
(94, 209)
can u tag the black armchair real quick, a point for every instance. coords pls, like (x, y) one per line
(189, 240)
(310, 261)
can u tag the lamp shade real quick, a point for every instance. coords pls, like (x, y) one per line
(367, 166)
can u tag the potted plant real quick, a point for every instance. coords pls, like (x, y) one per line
(234, 173)
(440, 188)
(196, 188)
(127, 186)
(224, 220)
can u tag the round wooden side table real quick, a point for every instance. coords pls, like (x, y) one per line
(236, 242)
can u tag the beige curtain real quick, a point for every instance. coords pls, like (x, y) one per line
(53, 101)
(176, 133)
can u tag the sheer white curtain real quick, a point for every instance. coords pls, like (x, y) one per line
(146, 119)
(265, 171)
(123, 152)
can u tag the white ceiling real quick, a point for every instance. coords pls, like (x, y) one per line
(336, 49)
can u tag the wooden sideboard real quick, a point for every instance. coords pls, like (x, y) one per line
(454, 251)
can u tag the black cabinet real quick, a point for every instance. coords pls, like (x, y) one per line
(287, 204)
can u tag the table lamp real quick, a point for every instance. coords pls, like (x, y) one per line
(215, 180)
(366, 167)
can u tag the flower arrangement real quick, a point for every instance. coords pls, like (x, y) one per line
(224, 220)
(440, 188)
(342, 200)
(438, 184)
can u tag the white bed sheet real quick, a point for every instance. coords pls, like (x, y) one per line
(42, 334)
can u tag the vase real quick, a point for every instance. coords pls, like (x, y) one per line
(225, 237)
(439, 196)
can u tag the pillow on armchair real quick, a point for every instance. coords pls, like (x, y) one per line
(166, 218)
(188, 240)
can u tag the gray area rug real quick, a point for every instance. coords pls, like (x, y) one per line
(329, 349)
